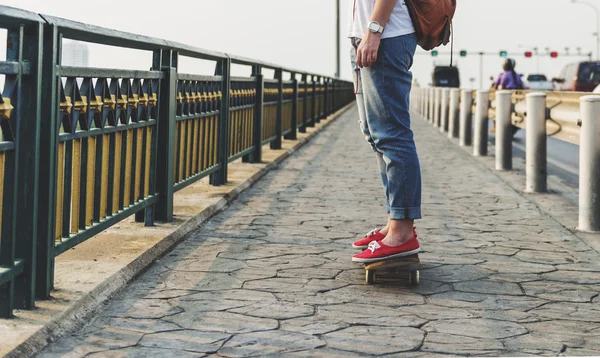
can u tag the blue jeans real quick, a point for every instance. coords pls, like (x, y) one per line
(383, 97)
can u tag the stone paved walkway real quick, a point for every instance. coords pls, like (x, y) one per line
(272, 274)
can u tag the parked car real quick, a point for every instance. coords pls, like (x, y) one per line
(580, 76)
(445, 76)
(538, 82)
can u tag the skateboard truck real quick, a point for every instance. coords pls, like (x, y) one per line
(393, 270)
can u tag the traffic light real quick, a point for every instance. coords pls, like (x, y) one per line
(434, 53)
(554, 54)
(528, 54)
(503, 53)
(463, 53)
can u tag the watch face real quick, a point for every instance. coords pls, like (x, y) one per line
(374, 26)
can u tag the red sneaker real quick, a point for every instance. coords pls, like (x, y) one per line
(373, 235)
(378, 251)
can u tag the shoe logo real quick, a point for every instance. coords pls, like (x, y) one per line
(373, 245)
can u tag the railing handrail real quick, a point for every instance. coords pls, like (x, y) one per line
(104, 36)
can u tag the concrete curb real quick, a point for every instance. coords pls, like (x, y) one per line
(78, 313)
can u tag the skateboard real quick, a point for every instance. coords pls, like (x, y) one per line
(393, 270)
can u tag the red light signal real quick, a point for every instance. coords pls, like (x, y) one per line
(554, 54)
(528, 54)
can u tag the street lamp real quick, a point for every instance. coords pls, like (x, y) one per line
(597, 34)
(338, 62)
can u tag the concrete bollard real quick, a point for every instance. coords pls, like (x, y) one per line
(445, 109)
(423, 100)
(480, 137)
(431, 104)
(503, 130)
(436, 106)
(535, 154)
(589, 165)
(453, 113)
(466, 118)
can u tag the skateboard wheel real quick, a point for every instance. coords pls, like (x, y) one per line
(370, 276)
(413, 278)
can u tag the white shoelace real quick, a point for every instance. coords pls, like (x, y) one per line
(372, 232)
(373, 245)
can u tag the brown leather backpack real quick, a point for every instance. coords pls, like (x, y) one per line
(432, 20)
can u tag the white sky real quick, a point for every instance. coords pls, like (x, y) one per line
(301, 34)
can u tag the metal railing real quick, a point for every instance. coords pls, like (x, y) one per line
(572, 117)
(84, 148)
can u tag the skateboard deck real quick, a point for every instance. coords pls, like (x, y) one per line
(393, 270)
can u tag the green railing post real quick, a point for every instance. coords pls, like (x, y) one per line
(256, 155)
(293, 135)
(304, 118)
(276, 144)
(319, 112)
(48, 165)
(326, 110)
(165, 61)
(28, 49)
(223, 69)
(313, 114)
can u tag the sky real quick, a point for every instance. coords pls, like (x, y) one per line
(301, 34)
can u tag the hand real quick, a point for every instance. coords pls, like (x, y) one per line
(366, 54)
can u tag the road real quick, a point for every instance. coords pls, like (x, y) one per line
(563, 157)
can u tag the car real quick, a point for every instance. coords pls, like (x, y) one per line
(538, 82)
(580, 76)
(446, 76)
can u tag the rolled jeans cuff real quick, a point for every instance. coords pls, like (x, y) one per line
(405, 213)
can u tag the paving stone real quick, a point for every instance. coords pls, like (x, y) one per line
(191, 341)
(314, 325)
(455, 273)
(135, 308)
(136, 324)
(587, 312)
(516, 267)
(207, 265)
(578, 277)
(489, 287)
(574, 352)
(199, 281)
(477, 328)
(239, 295)
(545, 257)
(383, 295)
(277, 310)
(460, 345)
(532, 344)
(372, 314)
(320, 273)
(269, 343)
(556, 291)
(224, 322)
(479, 301)
(142, 352)
(375, 340)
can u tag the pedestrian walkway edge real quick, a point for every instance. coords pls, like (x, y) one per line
(78, 312)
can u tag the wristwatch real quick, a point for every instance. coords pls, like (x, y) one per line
(374, 26)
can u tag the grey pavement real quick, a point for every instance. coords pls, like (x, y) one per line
(272, 274)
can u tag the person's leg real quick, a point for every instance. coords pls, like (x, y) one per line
(384, 180)
(386, 86)
(362, 120)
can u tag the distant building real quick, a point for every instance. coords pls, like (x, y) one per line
(75, 53)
